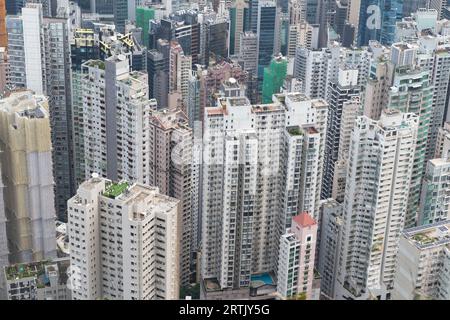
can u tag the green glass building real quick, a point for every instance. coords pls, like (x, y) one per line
(274, 76)
(143, 16)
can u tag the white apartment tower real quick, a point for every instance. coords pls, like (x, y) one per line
(124, 242)
(435, 195)
(258, 172)
(375, 202)
(27, 177)
(172, 169)
(115, 120)
(423, 263)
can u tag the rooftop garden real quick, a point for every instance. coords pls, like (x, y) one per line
(20, 271)
(423, 238)
(295, 131)
(115, 189)
(98, 63)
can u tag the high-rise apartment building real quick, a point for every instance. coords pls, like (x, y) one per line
(116, 115)
(343, 89)
(329, 244)
(350, 111)
(124, 241)
(296, 258)
(179, 72)
(27, 177)
(40, 62)
(376, 197)
(265, 165)
(170, 153)
(411, 91)
(423, 263)
(434, 199)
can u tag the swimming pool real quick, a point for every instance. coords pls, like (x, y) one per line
(263, 277)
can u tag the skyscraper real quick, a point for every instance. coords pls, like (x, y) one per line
(274, 76)
(296, 259)
(261, 189)
(43, 64)
(124, 241)
(170, 149)
(27, 177)
(375, 202)
(267, 32)
(411, 91)
(343, 89)
(116, 107)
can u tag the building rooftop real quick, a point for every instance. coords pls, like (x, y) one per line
(428, 236)
(113, 190)
(304, 220)
(41, 271)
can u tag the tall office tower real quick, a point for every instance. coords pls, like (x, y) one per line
(124, 241)
(274, 76)
(443, 142)
(296, 259)
(13, 7)
(248, 59)
(341, 90)
(179, 72)
(237, 25)
(302, 35)
(16, 57)
(411, 92)
(350, 111)
(3, 33)
(329, 244)
(116, 111)
(27, 177)
(252, 162)
(143, 17)
(410, 7)
(170, 169)
(434, 201)
(267, 33)
(158, 79)
(44, 63)
(216, 39)
(183, 26)
(340, 16)
(82, 50)
(375, 203)
(423, 263)
(377, 20)
(120, 12)
(4, 252)
(102, 7)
